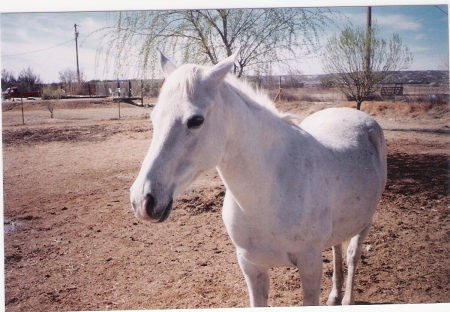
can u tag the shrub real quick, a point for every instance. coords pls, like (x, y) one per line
(51, 95)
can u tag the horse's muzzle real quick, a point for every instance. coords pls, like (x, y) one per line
(151, 208)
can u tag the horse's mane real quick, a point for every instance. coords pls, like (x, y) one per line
(257, 97)
(253, 98)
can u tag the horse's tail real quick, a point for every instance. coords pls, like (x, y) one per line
(376, 138)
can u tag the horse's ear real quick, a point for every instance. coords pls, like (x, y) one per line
(217, 73)
(166, 66)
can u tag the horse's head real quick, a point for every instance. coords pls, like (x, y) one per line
(188, 136)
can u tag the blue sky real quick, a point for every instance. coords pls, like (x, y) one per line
(44, 41)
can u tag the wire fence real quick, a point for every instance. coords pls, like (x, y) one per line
(115, 89)
(126, 88)
(287, 88)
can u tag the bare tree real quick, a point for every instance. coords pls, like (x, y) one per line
(443, 63)
(344, 60)
(8, 79)
(29, 81)
(266, 36)
(69, 79)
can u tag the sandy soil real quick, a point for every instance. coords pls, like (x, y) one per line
(72, 242)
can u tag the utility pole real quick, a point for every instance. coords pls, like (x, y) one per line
(76, 46)
(367, 55)
(368, 40)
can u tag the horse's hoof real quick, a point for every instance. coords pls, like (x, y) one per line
(348, 301)
(333, 301)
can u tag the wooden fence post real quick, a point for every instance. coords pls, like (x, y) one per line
(23, 117)
(129, 88)
(142, 92)
(279, 90)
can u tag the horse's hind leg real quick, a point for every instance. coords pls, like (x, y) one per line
(353, 255)
(335, 296)
(257, 279)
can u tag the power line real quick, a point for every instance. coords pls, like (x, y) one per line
(38, 50)
(441, 10)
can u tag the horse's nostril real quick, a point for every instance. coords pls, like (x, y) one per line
(150, 203)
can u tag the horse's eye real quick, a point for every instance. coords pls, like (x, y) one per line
(195, 122)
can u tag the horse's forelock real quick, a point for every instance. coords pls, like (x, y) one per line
(183, 80)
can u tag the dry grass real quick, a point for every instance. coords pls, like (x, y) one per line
(418, 100)
(302, 104)
(403, 109)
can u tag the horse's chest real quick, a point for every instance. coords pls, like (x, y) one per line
(264, 244)
(262, 248)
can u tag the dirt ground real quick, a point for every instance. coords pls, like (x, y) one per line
(71, 241)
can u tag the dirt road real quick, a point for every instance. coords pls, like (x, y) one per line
(72, 242)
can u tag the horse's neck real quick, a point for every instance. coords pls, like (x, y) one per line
(255, 142)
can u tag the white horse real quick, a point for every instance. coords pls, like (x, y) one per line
(291, 190)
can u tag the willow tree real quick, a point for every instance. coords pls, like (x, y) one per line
(344, 60)
(267, 37)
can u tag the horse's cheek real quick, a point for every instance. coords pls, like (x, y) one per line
(211, 147)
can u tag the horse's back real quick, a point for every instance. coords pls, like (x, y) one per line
(342, 127)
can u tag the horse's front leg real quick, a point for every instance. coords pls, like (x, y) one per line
(309, 263)
(257, 279)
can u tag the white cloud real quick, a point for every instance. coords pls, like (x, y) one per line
(419, 48)
(398, 22)
(419, 37)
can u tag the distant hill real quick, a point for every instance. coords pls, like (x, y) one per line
(405, 77)
(420, 77)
